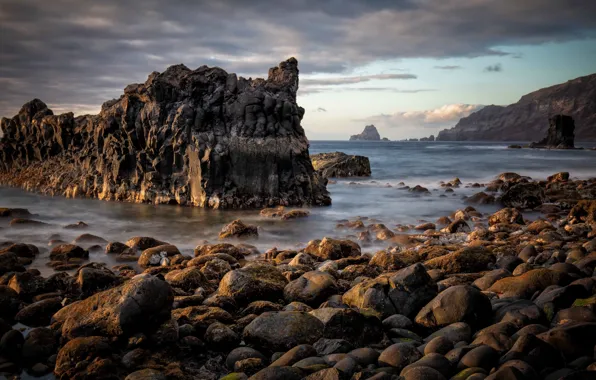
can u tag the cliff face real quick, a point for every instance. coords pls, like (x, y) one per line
(192, 137)
(529, 117)
(370, 133)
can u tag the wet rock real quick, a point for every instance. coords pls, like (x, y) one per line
(28, 285)
(423, 373)
(157, 256)
(524, 195)
(91, 279)
(39, 345)
(283, 330)
(141, 243)
(399, 355)
(221, 337)
(274, 373)
(39, 313)
(89, 239)
(438, 345)
(11, 345)
(65, 252)
(459, 225)
(242, 353)
(339, 164)
(482, 356)
(535, 352)
(6, 212)
(312, 288)
(80, 225)
(141, 303)
(573, 339)
(388, 261)
(238, 230)
(188, 279)
(295, 355)
(480, 198)
(146, 374)
(22, 250)
(506, 216)
(332, 249)
(465, 260)
(253, 282)
(326, 346)
(349, 324)
(525, 285)
(459, 303)
(9, 262)
(490, 278)
(77, 355)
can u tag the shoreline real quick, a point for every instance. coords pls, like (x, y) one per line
(477, 290)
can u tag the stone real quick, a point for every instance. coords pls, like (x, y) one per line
(560, 135)
(524, 196)
(506, 216)
(482, 356)
(141, 243)
(242, 353)
(460, 303)
(276, 373)
(39, 313)
(146, 374)
(525, 285)
(241, 146)
(349, 324)
(339, 164)
(312, 288)
(141, 303)
(282, 330)
(399, 355)
(295, 355)
(187, 279)
(221, 337)
(465, 260)
(254, 282)
(388, 261)
(369, 133)
(39, 345)
(332, 249)
(80, 350)
(238, 230)
(9, 262)
(155, 256)
(65, 252)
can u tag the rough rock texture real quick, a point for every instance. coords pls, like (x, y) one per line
(560, 133)
(369, 133)
(339, 164)
(526, 119)
(193, 137)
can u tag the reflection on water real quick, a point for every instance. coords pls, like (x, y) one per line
(376, 197)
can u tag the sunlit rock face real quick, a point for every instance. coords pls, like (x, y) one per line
(192, 137)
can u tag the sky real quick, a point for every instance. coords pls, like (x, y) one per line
(410, 67)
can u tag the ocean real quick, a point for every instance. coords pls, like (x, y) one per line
(377, 197)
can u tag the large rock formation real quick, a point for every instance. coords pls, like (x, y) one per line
(192, 137)
(526, 119)
(339, 164)
(560, 134)
(370, 133)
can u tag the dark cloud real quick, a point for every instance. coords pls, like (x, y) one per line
(496, 68)
(351, 80)
(317, 90)
(517, 55)
(321, 109)
(80, 53)
(448, 67)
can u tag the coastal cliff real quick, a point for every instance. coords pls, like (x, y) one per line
(528, 118)
(191, 137)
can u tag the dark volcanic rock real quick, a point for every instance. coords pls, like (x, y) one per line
(526, 119)
(339, 164)
(195, 137)
(369, 133)
(560, 133)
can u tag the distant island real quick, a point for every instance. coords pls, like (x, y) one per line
(369, 133)
(528, 118)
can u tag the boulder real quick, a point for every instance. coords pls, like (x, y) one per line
(339, 164)
(525, 285)
(460, 303)
(157, 256)
(254, 282)
(238, 230)
(506, 216)
(312, 288)
(349, 324)
(282, 330)
(140, 304)
(524, 196)
(76, 356)
(65, 252)
(465, 260)
(332, 249)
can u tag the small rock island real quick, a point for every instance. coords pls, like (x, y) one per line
(560, 135)
(369, 133)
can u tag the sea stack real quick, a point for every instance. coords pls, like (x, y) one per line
(560, 135)
(370, 133)
(191, 137)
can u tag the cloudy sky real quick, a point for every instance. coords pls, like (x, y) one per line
(411, 67)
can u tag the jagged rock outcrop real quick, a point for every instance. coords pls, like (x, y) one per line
(526, 119)
(430, 138)
(339, 164)
(192, 137)
(560, 134)
(369, 133)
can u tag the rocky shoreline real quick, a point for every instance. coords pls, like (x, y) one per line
(506, 295)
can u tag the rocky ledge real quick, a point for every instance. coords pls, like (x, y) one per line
(502, 295)
(339, 164)
(191, 137)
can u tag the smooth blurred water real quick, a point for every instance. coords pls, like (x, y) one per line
(378, 197)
